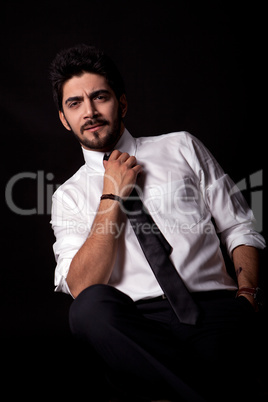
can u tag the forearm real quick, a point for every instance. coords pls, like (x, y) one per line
(94, 261)
(246, 262)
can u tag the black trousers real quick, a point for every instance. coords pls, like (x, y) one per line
(143, 351)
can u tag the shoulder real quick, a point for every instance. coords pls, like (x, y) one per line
(176, 137)
(181, 141)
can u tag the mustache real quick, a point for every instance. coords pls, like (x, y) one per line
(91, 123)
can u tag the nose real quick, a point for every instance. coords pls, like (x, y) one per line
(90, 109)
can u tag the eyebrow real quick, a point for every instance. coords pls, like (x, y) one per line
(93, 95)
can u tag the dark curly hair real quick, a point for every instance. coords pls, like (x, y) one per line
(79, 59)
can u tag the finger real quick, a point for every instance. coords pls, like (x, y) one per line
(115, 155)
(137, 169)
(130, 161)
(124, 157)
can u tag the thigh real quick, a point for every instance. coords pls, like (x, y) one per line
(226, 327)
(135, 342)
(101, 314)
(218, 346)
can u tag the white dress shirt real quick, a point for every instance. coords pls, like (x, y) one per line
(182, 186)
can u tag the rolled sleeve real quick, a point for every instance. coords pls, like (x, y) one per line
(61, 272)
(70, 233)
(233, 218)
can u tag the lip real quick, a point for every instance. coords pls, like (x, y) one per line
(94, 128)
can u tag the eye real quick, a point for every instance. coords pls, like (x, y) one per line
(73, 104)
(99, 98)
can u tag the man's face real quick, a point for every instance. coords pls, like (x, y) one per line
(92, 111)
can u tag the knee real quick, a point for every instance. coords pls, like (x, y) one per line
(86, 309)
(92, 312)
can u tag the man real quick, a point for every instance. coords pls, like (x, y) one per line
(120, 309)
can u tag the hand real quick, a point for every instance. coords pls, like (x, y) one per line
(121, 173)
(251, 300)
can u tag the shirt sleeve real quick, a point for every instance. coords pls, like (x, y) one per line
(233, 218)
(70, 232)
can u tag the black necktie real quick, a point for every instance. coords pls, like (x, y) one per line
(157, 250)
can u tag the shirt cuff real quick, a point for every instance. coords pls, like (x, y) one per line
(245, 240)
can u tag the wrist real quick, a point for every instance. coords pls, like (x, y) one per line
(111, 205)
(249, 291)
(253, 294)
(112, 197)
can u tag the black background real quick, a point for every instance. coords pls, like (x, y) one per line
(195, 66)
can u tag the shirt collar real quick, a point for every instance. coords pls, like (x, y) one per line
(94, 159)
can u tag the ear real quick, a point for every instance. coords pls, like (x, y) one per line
(64, 121)
(123, 105)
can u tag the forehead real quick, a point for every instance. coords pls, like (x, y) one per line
(86, 83)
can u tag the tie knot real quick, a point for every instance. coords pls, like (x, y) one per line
(106, 156)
